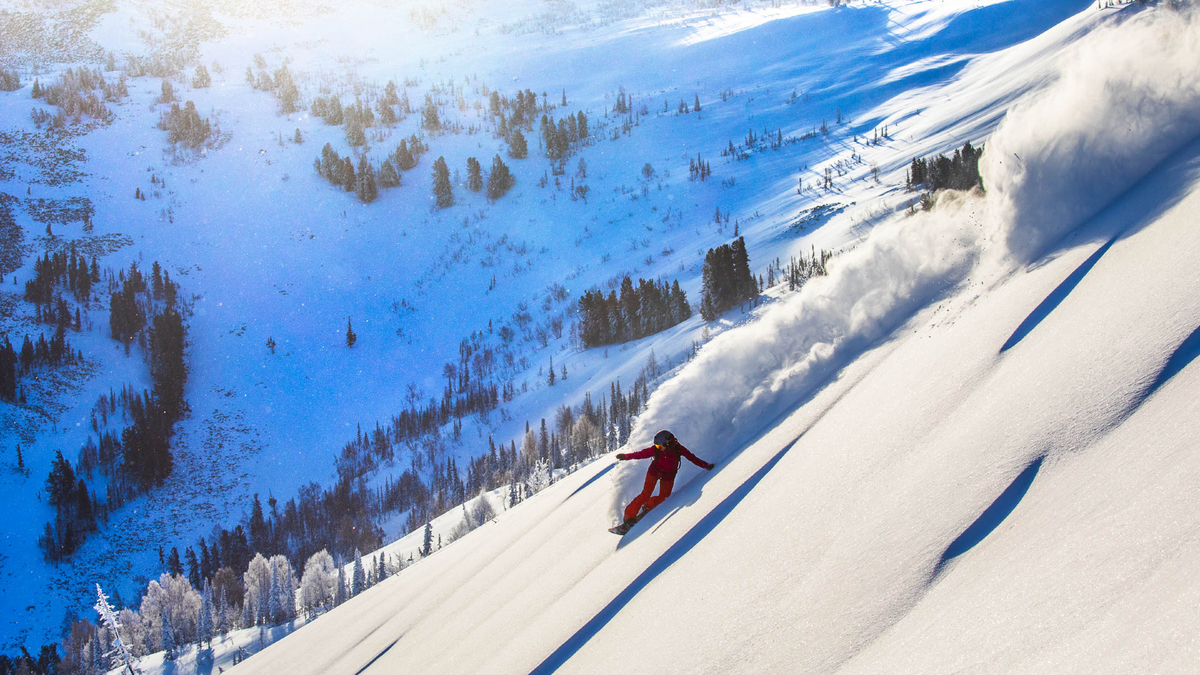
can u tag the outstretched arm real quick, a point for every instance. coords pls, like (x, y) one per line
(640, 454)
(694, 459)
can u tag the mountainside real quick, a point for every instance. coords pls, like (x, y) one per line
(970, 447)
(952, 429)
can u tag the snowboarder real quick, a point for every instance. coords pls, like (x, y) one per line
(666, 452)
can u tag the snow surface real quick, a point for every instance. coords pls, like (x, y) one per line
(861, 425)
(971, 448)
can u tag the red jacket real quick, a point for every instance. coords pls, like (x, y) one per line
(666, 461)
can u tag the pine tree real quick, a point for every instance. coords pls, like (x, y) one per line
(349, 179)
(726, 279)
(339, 595)
(204, 623)
(552, 377)
(273, 606)
(168, 636)
(429, 115)
(358, 582)
(354, 130)
(365, 188)
(351, 338)
(60, 484)
(8, 372)
(168, 370)
(404, 157)
(499, 180)
(518, 148)
(121, 656)
(221, 621)
(474, 175)
(297, 139)
(387, 116)
(709, 291)
(744, 283)
(427, 548)
(514, 495)
(201, 79)
(193, 567)
(334, 112)
(388, 176)
(441, 183)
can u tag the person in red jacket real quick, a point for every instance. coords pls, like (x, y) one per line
(666, 452)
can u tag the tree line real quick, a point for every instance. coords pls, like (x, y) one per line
(957, 172)
(645, 309)
(79, 92)
(366, 180)
(140, 458)
(51, 272)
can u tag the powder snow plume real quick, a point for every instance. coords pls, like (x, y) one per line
(1126, 97)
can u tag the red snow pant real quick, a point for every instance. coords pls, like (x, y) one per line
(665, 484)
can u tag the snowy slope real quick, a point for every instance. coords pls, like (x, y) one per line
(265, 248)
(970, 448)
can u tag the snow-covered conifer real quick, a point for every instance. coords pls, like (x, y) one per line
(221, 623)
(359, 579)
(168, 635)
(283, 590)
(274, 609)
(120, 654)
(340, 592)
(539, 477)
(204, 624)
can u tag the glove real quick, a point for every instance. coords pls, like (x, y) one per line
(709, 466)
(621, 456)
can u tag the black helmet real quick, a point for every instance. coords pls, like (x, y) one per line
(664, 437)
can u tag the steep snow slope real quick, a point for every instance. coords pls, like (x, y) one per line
(265, 248)
(971, 447)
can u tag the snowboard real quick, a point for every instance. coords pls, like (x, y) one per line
(623, 527)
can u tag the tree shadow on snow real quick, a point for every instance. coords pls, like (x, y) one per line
(669, 557)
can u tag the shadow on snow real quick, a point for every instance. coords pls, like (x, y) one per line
(995, 514)
(669, 557)
(1055, 298)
